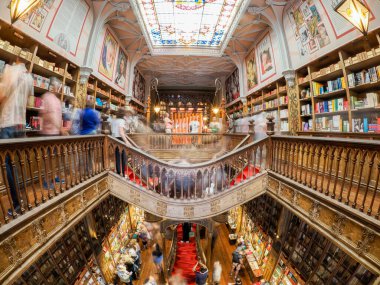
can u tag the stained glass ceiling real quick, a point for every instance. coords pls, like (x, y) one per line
(187, 23)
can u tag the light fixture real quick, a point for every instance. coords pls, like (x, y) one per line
(157, 109)
(215, 110)
(356, 12)
(21, 7)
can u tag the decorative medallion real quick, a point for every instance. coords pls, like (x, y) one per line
(162, 208)
(241, 195)
(188, 211)
(39, 232)
(295, 198)
(338, 224)
(215, 206)
(315, 210)
(63, 215)
(364, 245)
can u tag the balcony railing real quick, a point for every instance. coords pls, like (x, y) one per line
(347, 170)
(36, 170)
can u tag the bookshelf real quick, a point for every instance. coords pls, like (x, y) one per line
(340, 92)
(273, 100)
(235, 109)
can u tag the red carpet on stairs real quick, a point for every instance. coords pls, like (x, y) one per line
(186, 257)
(246, 173)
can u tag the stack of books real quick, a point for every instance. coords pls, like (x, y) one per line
(332, 124)
(306, 109)
(366, 125)
(369, 100)
(308, 125)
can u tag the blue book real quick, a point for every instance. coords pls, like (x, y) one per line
(365, 125)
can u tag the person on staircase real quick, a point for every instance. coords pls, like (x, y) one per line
(237, 262)
(186, 232)
(201, 274)
(157, 257)
(217, 272)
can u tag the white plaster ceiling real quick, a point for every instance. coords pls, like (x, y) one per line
(186, 70)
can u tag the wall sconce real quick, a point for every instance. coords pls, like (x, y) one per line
(21, 7)
(356, 12)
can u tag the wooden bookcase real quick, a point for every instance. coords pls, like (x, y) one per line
(273, 100)
(340, 92)
(234, 109)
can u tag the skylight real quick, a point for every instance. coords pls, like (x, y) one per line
(190, 24)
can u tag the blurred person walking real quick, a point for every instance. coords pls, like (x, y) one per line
(90, 120)
(15, 86)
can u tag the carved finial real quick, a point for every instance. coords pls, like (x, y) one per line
(270, 125)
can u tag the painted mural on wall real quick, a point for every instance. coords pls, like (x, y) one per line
(250, 63)
(108, 55)
(339, 25)
(66, 28)
(121, 69)
(36, 19)
(232, 87)
(309, 30)
(267, 64)
(138, 86)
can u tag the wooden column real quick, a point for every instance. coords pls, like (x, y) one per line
(209, 249)
(293, 110)
(164, 254)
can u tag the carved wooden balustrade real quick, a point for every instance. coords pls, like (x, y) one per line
(347, 170)
(188, 181)
(159, 141)
(38, 169)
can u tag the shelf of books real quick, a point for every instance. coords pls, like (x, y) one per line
(271, 100)
(235, 109)
(340, 91)
(51, 73)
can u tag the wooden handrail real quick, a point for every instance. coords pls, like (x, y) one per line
(347, 170)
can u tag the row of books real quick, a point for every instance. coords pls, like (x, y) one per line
(35, 123)
(283, 100)
(332, 124)
(362, 56)
(333, 105)
(306, 109)
(305, 93)
(366, 124)
(284, 113)
(52, 84)
(34, 102)
(284, 126)
(368, 100)
(329, 86)
(365, 76)
(307, 125)
(270, 104)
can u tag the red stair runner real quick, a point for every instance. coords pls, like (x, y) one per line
(245, 174)
(186, 257)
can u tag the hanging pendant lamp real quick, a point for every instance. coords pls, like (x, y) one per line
(356, 12)
(21, 7)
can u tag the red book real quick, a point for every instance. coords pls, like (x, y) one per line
(345, 105)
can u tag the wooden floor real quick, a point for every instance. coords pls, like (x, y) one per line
(222, 252)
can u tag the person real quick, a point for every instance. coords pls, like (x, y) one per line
(150, 281)
(266, 61)
(124, 275)
(90, 120)
(238, 281)
(186, 232)
(194, 126)
(15, 87)
(215, 125)
(51, 115)
(131, 121)
(201, 274)
(157, 257)
(168, 124)
(217, 272)
(136, 246)
(118, 131)
(237, 262)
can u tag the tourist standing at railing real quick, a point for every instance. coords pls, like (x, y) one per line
(15, 87)
(168, 124)
(51, 114)
(201, 274)
(118, 131)
(90, 120)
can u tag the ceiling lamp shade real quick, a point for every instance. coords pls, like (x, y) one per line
(356, 12)
(21, 7)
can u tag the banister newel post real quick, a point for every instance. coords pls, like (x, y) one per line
(106, 160)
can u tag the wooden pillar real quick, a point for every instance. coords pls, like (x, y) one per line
(148, 111)
(292, 91)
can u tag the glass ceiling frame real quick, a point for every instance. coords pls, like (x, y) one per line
(188, 27)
